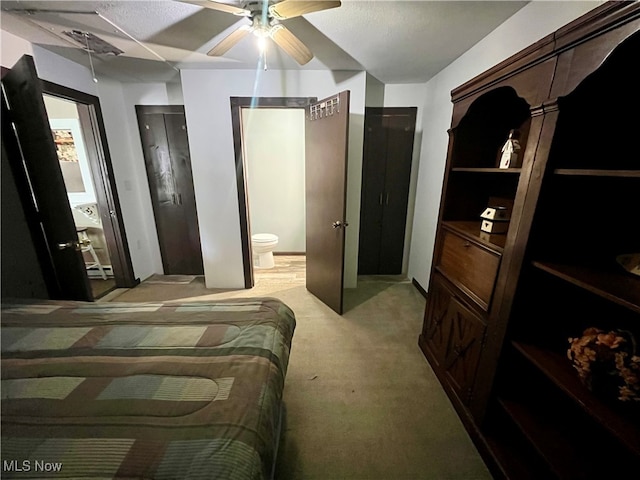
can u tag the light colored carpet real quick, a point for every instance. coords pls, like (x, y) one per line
(361, 400)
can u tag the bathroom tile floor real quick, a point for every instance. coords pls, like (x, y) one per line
(288, 269)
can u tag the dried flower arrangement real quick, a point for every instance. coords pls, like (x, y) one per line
(607, 362)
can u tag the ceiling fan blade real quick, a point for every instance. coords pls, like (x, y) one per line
(229, 41)
(290, 44)
(295, 8)
(223, 7)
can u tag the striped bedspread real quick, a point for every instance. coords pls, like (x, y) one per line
(143, 391)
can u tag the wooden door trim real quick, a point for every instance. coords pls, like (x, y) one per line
(103, 178)
(163, 109)
(395, 111)
(243, 208)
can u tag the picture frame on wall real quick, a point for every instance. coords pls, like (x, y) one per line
(74, 164)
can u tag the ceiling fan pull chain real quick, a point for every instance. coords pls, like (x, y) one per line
(93, 73)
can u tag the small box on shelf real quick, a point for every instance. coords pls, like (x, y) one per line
(489, 226)
(493, 238)
(497, 213)
(495, 218)
(498, 209)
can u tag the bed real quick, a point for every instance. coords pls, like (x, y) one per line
(149, 390)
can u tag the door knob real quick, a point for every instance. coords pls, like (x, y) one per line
(338, 224)
(75, 245)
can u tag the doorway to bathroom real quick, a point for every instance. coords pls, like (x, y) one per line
(273, 144)
(273, 151)
(326, 133)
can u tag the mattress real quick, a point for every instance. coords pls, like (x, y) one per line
(153, 391)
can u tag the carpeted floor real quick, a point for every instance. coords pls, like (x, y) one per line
(361, 400)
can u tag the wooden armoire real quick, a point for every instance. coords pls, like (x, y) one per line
(501, 307)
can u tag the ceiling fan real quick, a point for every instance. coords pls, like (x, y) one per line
(265, 16)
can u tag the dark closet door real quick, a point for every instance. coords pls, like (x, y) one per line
(163, 132)
(388, 151)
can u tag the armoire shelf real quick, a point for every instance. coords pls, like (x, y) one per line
(510, 458)
(506, 171)
(556, 367)
(597, 173)
(501, 308)
(616, 286)
(567, 455)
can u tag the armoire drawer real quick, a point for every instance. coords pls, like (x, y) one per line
(469, 266)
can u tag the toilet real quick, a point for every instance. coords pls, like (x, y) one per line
(263, 245)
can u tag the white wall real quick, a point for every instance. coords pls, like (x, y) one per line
(12, 48)
(206, 96)
(533, 22)
(374, 96)
(273, 141)
(131, 181)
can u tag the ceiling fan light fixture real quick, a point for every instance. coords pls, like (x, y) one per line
(265, 18)
(262, 43)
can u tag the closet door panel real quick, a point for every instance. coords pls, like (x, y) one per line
(386, 173)
(164, 140)
(400, 130)
(372, 197)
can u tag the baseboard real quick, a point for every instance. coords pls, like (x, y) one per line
(290, 253)
(419, 287)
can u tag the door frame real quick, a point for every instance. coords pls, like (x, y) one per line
(237, 103)
(94, 134)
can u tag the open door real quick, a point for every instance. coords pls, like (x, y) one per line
(326, 142)
(40, 164)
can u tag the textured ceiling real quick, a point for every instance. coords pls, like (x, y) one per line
(395, 41)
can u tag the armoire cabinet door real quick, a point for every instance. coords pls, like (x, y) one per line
(453, 335)
(436, 330)
(464, 348)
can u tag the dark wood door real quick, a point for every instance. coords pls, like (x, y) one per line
(326, 141)
(386, 173)
(163, 132)
(41, 167)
